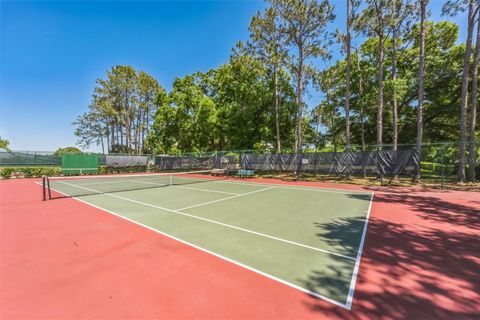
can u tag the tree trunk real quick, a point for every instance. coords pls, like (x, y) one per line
(394, 98)
(362, 113)
(128, 123)
(394, 104)
(103, 146)
(128, 129)
(113, 136)
(473, 114)
(298, 136)
(121, 134)
(145, 128)
(136, 126)
(381, 44)
(463, 107)
(421, 82)
(347, 84)
(277, 109)
(144, 125)
(107, 136)
(147, 122)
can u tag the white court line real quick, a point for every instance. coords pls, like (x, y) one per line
(217, 222)
(283, 186)
(116, 182)
(223, 199)
(304, 188)
(289, 284)
(208, 190)
(145, 182)
(347, 305)
(183, 187)
(100, 182)
(131, 175)
(353, 281)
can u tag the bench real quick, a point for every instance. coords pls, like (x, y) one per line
(245, 173)
(219, 172)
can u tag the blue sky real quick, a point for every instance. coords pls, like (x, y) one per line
(51, 53)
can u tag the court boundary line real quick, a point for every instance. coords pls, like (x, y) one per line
(353, 281)
(133, 174)
(287, 186)
(167, 185)
(207, 190)
(225, 180)
(177, 186)
(223, 199)
(176, 211)
(272, 277)
(347, 305)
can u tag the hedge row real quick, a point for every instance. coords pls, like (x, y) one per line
(110, 170)
(36, 172)
(29, 172)
(436, 168)
(32, 172)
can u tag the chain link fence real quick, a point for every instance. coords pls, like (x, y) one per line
(29, 159)
(437, 163)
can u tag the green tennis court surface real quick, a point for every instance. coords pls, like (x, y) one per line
(282, 232)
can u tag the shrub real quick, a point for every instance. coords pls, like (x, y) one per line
(110, 170)
(61, 151)
(29, 172)
(436, 168)
(6, 172)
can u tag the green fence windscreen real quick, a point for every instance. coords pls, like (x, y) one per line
(79, 163)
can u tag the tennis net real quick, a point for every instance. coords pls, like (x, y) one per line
(90, 185)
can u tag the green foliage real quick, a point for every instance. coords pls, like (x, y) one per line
(436, 170)
(6, 172)
(235, 106)
(304, 23)
(121, 112)
(136, 169)
(28, 172)
(226, 108)
(120, 148)
(442, 87)
(61, 151)
(262, 147)
(4, 144)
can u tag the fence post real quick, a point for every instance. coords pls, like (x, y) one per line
(379, 167)
(334, 163)
(277, 167)
(442, 167)
(364, 155)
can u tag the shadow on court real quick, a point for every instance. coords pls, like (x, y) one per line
(437, 209)
(425, 267)
(360, 196)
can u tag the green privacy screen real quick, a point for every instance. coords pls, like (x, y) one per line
(79, 163)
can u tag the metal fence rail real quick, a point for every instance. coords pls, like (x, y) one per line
(29, 158)
(437, 162)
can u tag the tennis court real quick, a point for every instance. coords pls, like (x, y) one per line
(281, 232)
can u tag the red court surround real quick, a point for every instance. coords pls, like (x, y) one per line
(64, 259)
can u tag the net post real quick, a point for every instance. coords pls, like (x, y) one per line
(171, 179)
(48, 188)
(44, 185)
